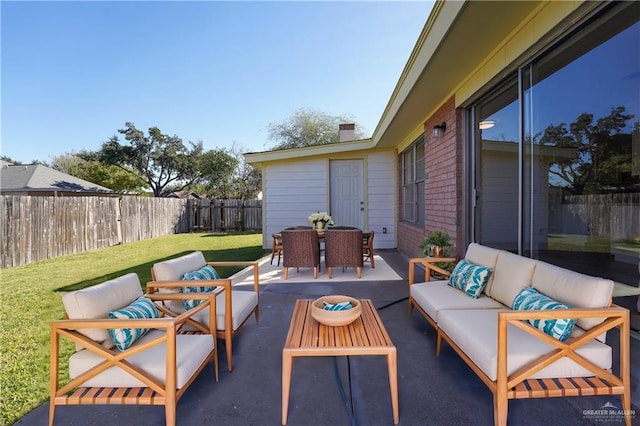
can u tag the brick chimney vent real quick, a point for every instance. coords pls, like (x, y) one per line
(347, 132)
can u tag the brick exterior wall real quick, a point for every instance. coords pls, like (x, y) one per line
(443, 186)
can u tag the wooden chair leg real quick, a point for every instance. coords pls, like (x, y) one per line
(329, 271)
(371, 259)
(359, 271)
(228, 339)
(286, 273)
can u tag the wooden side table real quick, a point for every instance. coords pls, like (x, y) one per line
(426, 261)
(365, 336)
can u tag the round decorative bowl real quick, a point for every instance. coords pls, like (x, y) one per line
(335, 318)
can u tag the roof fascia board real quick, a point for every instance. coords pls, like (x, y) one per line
(256, 158)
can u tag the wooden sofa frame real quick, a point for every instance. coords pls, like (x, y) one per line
(156, 393)
(520, 384)
(225, 285)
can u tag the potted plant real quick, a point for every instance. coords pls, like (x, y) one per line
(436, 243)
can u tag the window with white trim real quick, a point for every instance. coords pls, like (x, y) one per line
(413, 183)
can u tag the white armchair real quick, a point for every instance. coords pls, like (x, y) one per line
(234, 307)
(109, 366)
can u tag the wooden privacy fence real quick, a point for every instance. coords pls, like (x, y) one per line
(616, 216)
(223, 215)
(36, 228)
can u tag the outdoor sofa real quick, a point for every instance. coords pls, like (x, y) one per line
(512, 357)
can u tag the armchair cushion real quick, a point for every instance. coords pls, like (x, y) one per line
(243, 304)
(141, 308)
(174, 269)
(97, 301)
(206, 273)
(530, 299)
(470, 278)
(192, 350)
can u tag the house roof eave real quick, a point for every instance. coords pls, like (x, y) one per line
(456, 39)
(258, 158)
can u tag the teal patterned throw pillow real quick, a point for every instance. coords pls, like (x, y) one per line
(206, 273)
(529, 299)
(141, 308)
(470, 278)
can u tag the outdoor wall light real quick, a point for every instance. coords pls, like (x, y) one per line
(439, 129)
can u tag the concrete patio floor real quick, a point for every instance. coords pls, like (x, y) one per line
(432, 390)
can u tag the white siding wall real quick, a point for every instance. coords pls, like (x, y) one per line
(292, 192)
(381, 198)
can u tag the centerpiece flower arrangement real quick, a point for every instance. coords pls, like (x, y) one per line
(320, 220)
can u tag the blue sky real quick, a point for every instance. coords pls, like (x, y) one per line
(74, 72)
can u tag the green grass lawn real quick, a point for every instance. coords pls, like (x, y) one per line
(31, 299)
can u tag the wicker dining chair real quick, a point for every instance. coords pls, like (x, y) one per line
(343, 247)
(301, 249)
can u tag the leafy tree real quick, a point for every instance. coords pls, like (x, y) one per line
(85, 166)
(226, 175)
(307, 127)
(165, 162)
(247, 180)
(602, 160)
(217, 168)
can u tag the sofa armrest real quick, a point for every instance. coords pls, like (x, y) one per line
(429, 266)
(613, 316)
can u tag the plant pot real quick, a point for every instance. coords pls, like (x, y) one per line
(437, 251)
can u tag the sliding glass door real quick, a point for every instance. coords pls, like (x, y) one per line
(557, 168)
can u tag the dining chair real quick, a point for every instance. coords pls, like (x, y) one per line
(301, 250)
(367, 248)
(343, 247)
(277, 247)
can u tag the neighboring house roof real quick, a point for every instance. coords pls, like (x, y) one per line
(39, 178)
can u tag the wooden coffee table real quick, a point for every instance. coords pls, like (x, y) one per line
(364, 336)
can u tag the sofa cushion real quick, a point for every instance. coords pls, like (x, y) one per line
(470, 278)
(436, 296)
(511, 274)
(191, 351)
(530, 299)
(205, 273)
(573, 288)
(483, 256)
(480, 343)
(141, 308)
(97, 301)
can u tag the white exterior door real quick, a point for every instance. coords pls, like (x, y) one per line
(347, 192)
